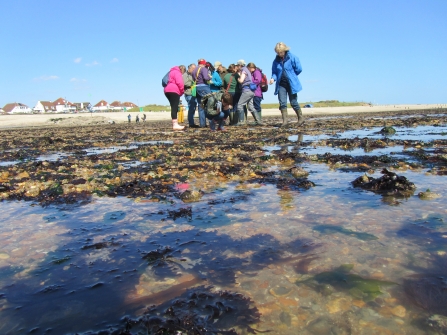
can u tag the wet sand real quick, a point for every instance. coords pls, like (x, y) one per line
(79, 119)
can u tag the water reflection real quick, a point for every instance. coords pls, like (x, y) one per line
(320, 259)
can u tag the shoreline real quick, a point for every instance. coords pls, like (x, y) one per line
(11, 121)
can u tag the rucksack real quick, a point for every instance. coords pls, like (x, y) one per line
(264, 82)
(211, 102)
(165, 80)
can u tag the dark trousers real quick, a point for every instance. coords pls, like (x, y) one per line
(174, 100)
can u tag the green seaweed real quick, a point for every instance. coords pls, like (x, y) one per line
(341, 279)
(330, 229)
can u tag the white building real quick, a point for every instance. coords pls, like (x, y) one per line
(64, 106)
(101, 106)
(16, 108)
(44, 107)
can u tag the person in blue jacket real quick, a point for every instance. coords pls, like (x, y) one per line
(216, 81)
(285, 70)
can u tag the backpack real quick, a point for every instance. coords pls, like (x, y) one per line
(165, 80)
(264, 82)
(211, 102)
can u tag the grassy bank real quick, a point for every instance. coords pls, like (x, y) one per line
(325, 103)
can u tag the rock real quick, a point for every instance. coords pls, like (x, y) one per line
(338, 305)
(191, 196)
(4, 255)
(428, 195)
(399, 311)
(438, 323)
(388, 130)
(285, 318)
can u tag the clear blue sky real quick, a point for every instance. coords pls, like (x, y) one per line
(382, 51)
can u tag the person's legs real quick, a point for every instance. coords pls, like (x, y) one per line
(282, 97)
(174, 100)
(251, 108)
(192, 103)
(236, 97)
(293, 98)
(201, 92)
(225, 113)
(246, 97)
(257, 106)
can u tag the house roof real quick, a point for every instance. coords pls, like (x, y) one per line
(101, 103)
(9, 107)
(129, 104)
(46, 103)
(62, 101)
(116, 104)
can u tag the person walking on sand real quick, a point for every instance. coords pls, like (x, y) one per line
(129, 118)
(285, 70)
(173, 91)
(144, 117)
(137, 119)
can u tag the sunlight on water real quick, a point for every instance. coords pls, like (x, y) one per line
(324, 260)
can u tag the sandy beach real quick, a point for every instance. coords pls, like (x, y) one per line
(44, 120)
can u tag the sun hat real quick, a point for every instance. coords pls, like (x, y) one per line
(241, 62)
(202, 62)
(217, 64)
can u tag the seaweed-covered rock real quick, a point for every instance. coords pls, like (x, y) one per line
(389, 183)
(191, 196)
(428, 195)
(388, 130)
(200, 310)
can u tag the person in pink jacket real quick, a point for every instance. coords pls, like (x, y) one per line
(173, 91)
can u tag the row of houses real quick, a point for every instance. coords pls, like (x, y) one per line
(64, 106)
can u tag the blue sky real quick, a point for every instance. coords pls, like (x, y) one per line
(382, 51)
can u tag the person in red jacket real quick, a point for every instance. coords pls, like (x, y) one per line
(173, 91)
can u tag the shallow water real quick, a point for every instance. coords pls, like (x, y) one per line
(74, 269)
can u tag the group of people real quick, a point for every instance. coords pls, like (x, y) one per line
(137, 118)
(240, 84)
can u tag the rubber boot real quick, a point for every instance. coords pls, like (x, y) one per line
(246, 115)
(257, 118)
(284, 117)
(231, 118)
(300, 116)
(176, 126)
(240, 121)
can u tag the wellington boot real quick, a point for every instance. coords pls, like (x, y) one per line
(231, 118)
(176, 126)
(284, 115)
(257, 118)
(300, 116)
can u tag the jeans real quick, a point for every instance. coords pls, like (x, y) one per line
(257, 103)
(218, 119)
(201, 91)
(282, 97)
(192, 104)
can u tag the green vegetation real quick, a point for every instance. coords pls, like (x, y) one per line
(324, 103)
(342, 280)
(151, 108)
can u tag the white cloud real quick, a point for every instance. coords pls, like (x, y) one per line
(77, 80)
(94, 63)
(45, 78)
(114, 60)
(77, 60)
